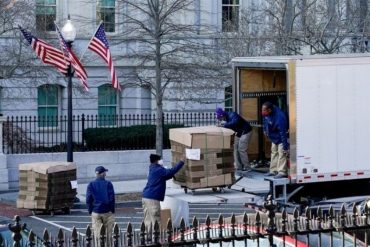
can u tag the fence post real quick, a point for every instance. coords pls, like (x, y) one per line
(60, 238)
(46, 239)
(31, 239)
(16, 228)
(83, 132)
(2, 120)
(270, 206)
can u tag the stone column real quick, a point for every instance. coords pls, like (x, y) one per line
(4, 174)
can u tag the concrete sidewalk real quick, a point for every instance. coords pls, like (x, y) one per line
(243, 191)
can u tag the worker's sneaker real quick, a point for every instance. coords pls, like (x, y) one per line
(270, 174)
(280, 175)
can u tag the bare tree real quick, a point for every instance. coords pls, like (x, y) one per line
(15, 59)
(168, 51)
(288, 27)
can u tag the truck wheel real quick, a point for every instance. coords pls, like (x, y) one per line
(67, 210)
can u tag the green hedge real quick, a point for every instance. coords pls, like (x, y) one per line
(123, 138)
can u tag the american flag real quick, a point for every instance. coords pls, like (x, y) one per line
(99, 44)
(47, 53)
(75, 62)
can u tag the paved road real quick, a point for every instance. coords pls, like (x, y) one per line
(79, 218)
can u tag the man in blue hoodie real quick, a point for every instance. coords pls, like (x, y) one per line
(243, 132)
(155, 190)
(101, 205)
(275, 127)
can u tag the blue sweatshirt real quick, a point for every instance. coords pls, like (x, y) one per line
(237, 124)
(275, 127)
(100, 196)
(158, 175)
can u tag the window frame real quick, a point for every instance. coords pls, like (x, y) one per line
(228, 98)
(54, 124)
(234, 9)
(45, 25)
(102, 121)
(99, 14)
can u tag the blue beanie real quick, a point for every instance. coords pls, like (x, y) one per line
(220, 113)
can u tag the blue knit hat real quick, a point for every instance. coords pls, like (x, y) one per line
(220, 113)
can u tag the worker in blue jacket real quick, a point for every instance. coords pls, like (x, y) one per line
(101, 205)
(155, 190)
(275, 127)
(243, 132)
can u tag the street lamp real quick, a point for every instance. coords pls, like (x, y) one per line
(69, 33)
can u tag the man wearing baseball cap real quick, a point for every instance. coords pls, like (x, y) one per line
(155, 190)
(101, 205)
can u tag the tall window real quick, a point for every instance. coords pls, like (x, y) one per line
(46, 11)
(47, 101)
(230, 15)
(107, 105)
(105, 11)
(228, 98)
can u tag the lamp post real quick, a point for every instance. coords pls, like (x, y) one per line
(69, 34)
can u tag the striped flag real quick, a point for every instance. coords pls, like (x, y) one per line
(47, 53)
(99, 44)
(75, 62)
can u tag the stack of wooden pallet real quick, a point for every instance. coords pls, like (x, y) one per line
(46, 185)
(214, 166)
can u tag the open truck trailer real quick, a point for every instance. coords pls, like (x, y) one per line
(327, 100)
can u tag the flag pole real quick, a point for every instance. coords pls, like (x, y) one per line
(87, 47)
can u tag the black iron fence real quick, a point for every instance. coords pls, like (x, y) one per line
(265, 228)
(31, 134)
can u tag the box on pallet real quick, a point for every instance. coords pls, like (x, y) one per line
(46, 185)
(203, 137)
(215, 166)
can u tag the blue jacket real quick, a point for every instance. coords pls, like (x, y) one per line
(156, 185)
(237, 124)
(275, 127)
(100, 196)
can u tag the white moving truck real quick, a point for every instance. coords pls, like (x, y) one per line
(326, 99)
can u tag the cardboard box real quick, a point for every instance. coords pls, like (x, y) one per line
(48, 167)
(203, 137)
(225, 179)
(46, 185)
(165, 215)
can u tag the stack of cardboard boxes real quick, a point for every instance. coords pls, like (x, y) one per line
(47, 185)
(212, 164)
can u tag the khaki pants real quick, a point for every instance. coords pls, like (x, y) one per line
(152, 213)
(241, 151)
(106, 219)
(278, 159)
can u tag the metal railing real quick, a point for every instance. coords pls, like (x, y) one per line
(31, 134)
(261, 229)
